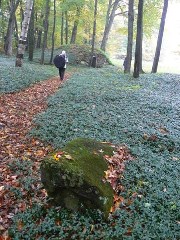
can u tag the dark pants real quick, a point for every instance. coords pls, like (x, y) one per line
(61, 73)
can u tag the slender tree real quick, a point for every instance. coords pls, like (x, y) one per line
(92, 61)
(31, 36)
(62, 28)
(66, 29)
(138, 39)
(112, 7)
(74, 30)
(127, 62)
(24, 31)
(53, 32)
(10, 29)
(160, 37)
(46, 25)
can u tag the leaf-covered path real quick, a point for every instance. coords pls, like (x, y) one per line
(17, 111)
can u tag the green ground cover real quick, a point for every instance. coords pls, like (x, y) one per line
(13, 79)
(142, 113)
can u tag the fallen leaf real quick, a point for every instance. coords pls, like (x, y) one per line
(68, 157)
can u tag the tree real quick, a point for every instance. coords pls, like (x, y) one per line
(24, 31)
(160, 37)
(54, 26)
(93, 59)
(127, 66)
(74, 30)
(138, 40)
(46, 25)
(10, 29)
(62, 28)
(112, 7)
(31, 36)
(66, 29)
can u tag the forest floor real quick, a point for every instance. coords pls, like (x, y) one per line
(101, 104)
(17, 111)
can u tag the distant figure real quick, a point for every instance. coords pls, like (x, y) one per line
(60, 62)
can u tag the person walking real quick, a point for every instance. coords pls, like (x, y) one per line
(62, 69)
(60, 62)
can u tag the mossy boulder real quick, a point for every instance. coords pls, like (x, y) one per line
(73, 177)
(81, 54)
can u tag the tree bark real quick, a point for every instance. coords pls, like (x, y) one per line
(10, 29)
(31, 36)
(62, 29)
(109, 21)
(39, 38)
(66, 29)
(74, 30)
(93, 58)
(138, 39)
(54, 27)
(24, 31)
(46, 25)
(127, 66)
(160, 37)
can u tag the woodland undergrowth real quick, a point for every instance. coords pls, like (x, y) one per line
(104, 104)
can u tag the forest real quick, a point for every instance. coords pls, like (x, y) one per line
(94, 154)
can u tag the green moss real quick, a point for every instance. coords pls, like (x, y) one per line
(88, 155)
(79, 172)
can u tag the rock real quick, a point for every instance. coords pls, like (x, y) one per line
(73, 177)
(81, 54)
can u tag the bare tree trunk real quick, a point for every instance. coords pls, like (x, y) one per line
(109, 21)
(127, 65)
(38, 31)
(66, 29)
(31, 39)
(62, 29)
(74, 30)
(39, 38)
(46, 25)
(10, 29)
(160, 37)
(54, 27)
(93, 58)
(138, 39)
(24, 31)
(16, 31)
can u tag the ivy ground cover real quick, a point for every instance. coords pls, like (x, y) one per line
(143, 114)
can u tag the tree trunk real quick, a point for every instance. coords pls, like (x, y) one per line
(24, 31)
(16, 32)
(66, 29)
(93, 60)
(54, 27)
(109, 21)
(138, 40)
(127, 66)
(74, 31)
(31, 36)
(62, 29)
(46, 24)
(10, 28)
(38, 31)
(160, 37)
